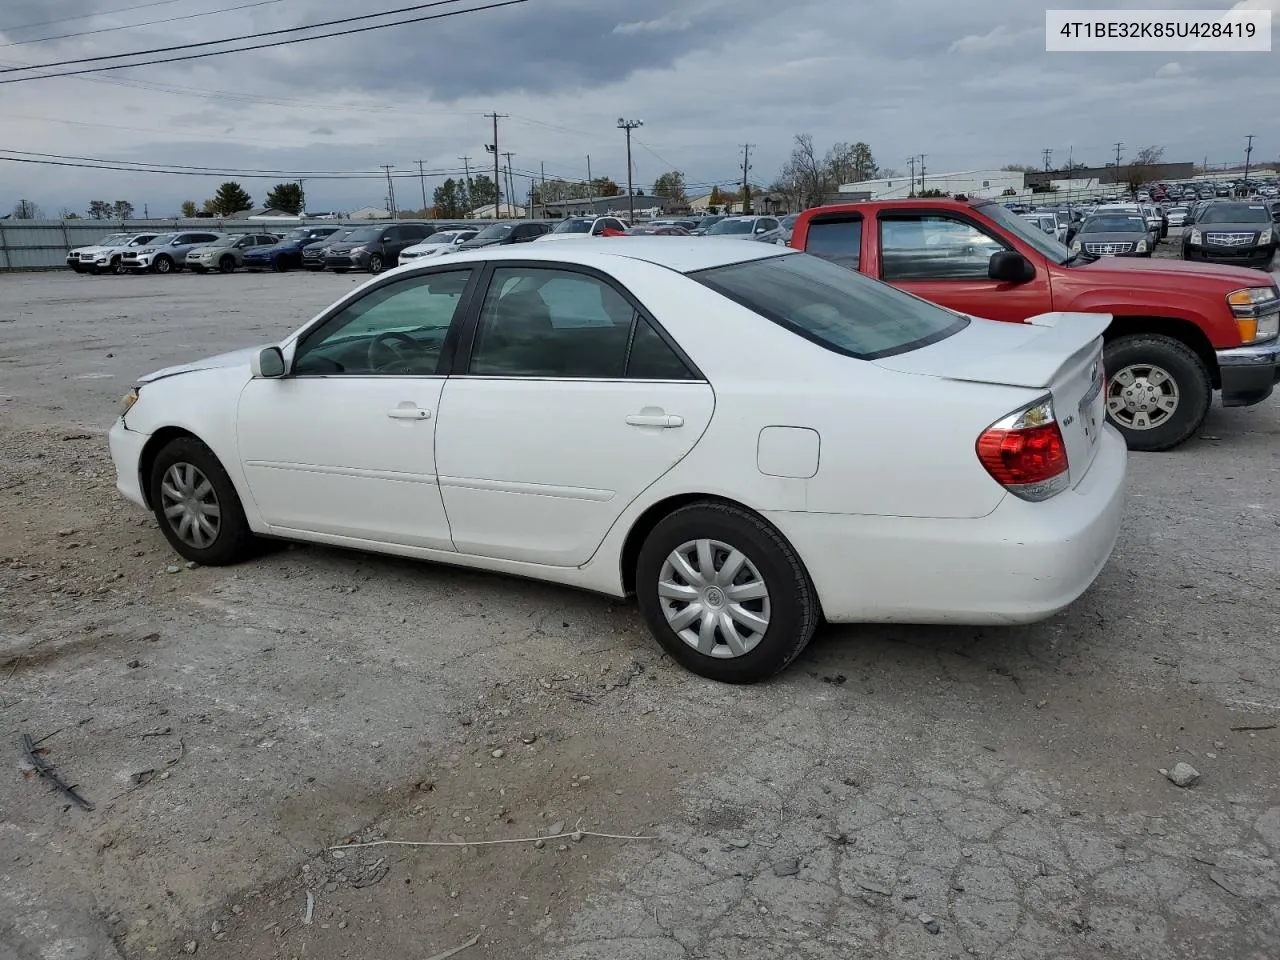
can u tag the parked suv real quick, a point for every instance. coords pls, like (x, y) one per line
(507, 231)
(374, 248)
(1232, 232)
(165, 253)
(227, 253)
(287, 252)
(106, 255)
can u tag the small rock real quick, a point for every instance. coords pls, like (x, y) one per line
(966, 853)
(576, 836)
(342, 924)
(557, 828)
(220, 936)
(65, 533)
(215, 927)
(1219, 745)
(237, 909)
(1211, 756)
(134, 664)
(191, 565)
(562, 848)
(529, 738)
(498, 754)
(173, 568)
(376, 744)
(338, 854)
(539, 844)
(740, 844)
(1182, 774)
(190, 947)
(786, 868)
(930, 924)
(838, 838)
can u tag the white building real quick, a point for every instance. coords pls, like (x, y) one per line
(369, 213)
(974, 184)
(510, 211)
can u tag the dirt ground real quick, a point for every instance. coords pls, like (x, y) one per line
(899, 793)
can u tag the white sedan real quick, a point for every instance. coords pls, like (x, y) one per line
(747, 438)
(438, 244)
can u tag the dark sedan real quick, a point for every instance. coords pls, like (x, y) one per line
(1231, 232)
(313, 253)
(507, 231)
(375, 248)
(1113, 235)
(288, 252)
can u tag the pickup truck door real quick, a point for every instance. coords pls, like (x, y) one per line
(942, 256)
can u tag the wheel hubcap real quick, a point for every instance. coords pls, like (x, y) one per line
(714, 598)
(190, 505)
(1142, 396)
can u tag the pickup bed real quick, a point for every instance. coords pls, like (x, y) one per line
(1178, 332)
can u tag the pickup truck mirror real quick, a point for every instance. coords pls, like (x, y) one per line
(268, 363)
(1009, 266)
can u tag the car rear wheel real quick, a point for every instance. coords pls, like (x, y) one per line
(1158, 390)
(724, 593)
(197, 506)
(162, 264)
(117, 267)
(280, 264)
(227, 264)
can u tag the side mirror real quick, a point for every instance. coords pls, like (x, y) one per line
(268, 363)
(384, 238)
(1009, 266)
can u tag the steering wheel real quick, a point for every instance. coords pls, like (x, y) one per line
(387, 342)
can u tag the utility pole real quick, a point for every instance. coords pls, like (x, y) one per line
(146, 212)
(391, 191)
(1070, 170)
(466, 185)
(497, 176)
(543, 197)
(588, 173)
(746, 166)
(511, 182)
(1247, 151)
(422, 180)
(922, 156)
(911, 161)
(628, 126)
(1047, 152)
(1116, 177)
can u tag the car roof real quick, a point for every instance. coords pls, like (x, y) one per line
(684, 255)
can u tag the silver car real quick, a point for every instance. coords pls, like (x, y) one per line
(764, 229)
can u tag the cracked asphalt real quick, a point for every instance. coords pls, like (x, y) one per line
(901, 793)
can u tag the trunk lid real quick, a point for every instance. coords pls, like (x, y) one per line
(1056, 353)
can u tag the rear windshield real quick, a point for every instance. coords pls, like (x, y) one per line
(836, 308)
(1114, 223)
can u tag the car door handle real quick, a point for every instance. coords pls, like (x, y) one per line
(409, 413)
(654, 420)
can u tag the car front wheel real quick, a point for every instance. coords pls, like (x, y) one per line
(227, 264)
(724, 593)
(162, 265)
(197, 506)
(375, 264)
(1158, 390)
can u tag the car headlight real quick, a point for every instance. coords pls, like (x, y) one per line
(128, 400)
(1076, 246)
(355, 250)
(1141, 247)
(1265, 236)
(1195, 235)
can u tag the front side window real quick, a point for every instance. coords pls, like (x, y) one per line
(396, 330)
(495, 231)
(835, 308)
(934, 247)
(543, 322)
(837, 239)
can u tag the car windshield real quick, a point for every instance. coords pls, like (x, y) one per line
(364, 234)
(832, 306)
(114, 240)
(298, 233)
(1114, 223)
(729, 227)
(495, 231)
(1235, 213)
(1030, 234)
(578, 225)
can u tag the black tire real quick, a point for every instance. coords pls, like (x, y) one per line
(793, 602)
(233, 540)
(227, 264)
(117, 267)
(1190, 377)
(375, 263)
(280, 265)
(162, 264)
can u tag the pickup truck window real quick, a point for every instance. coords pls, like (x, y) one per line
(838, 239)
(838, 309)
(1036, 239)
(934, 247)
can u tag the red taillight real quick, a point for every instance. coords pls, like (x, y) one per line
(1025, 453)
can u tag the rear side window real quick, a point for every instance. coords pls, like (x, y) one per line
(835, 308)
(837, 240)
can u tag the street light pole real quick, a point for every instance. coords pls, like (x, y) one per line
(628, 126)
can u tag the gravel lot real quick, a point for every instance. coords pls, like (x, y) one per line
(900, 793)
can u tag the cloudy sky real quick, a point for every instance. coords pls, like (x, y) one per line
(968, 84)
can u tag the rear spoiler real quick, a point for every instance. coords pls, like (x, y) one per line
(1036, 361)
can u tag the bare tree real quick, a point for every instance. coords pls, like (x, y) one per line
(806, 172)
(27, 210)
(1142, 169)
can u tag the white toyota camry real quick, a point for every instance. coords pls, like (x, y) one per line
(746, 438)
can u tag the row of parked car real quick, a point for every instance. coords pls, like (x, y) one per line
(376, 247)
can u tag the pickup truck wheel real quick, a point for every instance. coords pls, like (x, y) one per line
(1158, 390)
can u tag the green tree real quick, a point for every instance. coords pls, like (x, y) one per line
(210, 207)
(481, 192)
(99, 210)
(189, 209)
(286, 197)
(746, 198)
(122, 210)
(715, 200)
(671, 186)
(69, 214)
(231, 199)
(605, 187)
(449, 200)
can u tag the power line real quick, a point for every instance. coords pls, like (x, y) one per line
(118, 166)
(88, 16)
(145, 23)
(260, 46)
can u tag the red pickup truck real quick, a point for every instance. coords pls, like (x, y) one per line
(1179, 330)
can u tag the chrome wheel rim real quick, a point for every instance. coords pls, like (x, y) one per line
(1142, 396)
(714, 598)
(190, 505)
(162, 265)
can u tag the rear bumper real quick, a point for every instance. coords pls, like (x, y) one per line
(126, 453)
(1021, 563)
(1249, 374)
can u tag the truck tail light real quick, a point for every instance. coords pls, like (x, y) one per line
(1025, 453)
